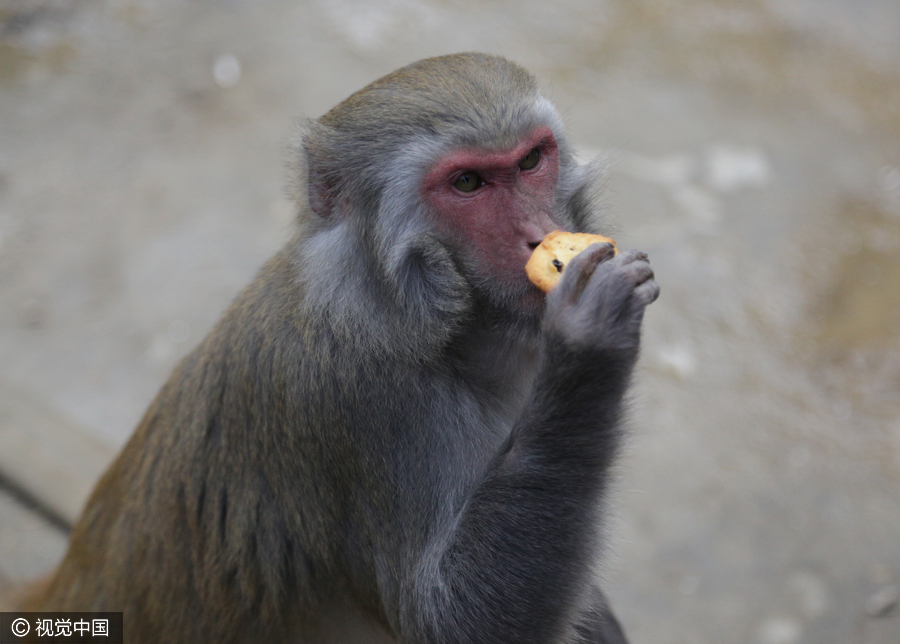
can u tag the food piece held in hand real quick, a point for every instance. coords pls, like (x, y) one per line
(549, 260)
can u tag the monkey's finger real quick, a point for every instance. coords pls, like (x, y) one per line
(579, 271)
(641, 272)
(633, 255)
(612, 289)
(647, 292)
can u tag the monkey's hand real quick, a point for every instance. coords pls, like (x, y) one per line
(600, 301)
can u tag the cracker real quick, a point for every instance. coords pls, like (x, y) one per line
(549, 260)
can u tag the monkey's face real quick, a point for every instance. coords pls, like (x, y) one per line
(493, 207)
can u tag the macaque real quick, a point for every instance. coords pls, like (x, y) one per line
(391, 435)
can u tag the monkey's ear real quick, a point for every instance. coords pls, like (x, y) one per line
(312, 151)
(320, 192)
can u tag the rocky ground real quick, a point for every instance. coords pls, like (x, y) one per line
(753, 151)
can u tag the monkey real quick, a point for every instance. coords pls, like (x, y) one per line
(391, 435)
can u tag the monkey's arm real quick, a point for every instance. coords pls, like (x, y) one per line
(523, 548)
(521, 552)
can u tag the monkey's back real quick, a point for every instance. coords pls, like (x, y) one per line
(228, 499)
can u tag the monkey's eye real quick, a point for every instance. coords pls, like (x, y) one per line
(468, 181)
(531, 160)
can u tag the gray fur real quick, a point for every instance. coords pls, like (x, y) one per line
(372, 445)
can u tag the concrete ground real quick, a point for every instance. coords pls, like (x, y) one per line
(754, 152)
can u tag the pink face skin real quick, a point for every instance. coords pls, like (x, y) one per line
(500, 223)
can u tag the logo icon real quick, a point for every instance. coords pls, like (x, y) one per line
(20, 627)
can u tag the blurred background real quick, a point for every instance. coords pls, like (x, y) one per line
(753, 150)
